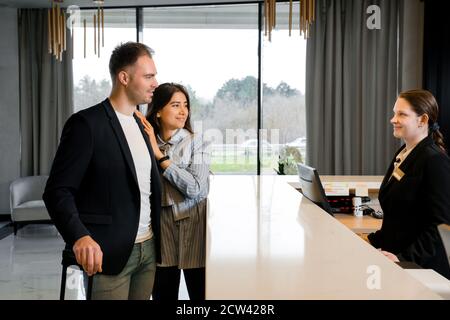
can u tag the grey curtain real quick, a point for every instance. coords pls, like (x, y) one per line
(352, 85)
(46, 93)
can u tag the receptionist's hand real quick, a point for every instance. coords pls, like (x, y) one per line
(390, 256)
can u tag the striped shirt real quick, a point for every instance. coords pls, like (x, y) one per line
(185, 189)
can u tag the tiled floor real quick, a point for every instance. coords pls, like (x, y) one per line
(30, 264)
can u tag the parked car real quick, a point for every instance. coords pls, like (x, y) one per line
(250, 146)
(298, 143)
(253, 143)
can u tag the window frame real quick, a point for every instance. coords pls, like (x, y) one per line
(139, 37)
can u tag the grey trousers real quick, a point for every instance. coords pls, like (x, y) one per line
(135, 282)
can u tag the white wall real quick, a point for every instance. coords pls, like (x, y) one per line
(9, 104)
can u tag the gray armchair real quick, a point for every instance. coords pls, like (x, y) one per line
(26, 201)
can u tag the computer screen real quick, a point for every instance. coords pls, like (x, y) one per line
(312, 187)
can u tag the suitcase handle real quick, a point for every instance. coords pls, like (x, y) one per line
(69, 259)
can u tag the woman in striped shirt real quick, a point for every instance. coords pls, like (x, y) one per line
(184, 166)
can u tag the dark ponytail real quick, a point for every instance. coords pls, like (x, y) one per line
(423, 102)
(438, 139)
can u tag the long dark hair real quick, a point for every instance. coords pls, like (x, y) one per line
(423, 102)
(161, 97)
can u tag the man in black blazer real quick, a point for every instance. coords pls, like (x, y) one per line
(103, 192)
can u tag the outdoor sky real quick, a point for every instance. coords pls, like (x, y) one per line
(205, 59)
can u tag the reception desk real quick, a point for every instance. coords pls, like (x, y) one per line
(365, 224)
(266, 241)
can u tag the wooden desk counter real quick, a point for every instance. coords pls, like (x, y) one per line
(366, 224)
(372, 182)
(266, 241)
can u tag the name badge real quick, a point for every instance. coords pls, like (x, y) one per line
(398, 174)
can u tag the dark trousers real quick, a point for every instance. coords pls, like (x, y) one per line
(167, 283)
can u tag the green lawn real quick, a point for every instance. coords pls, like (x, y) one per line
(241, 164)
(235, 161)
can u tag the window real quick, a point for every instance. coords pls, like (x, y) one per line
(283, 108)
(213, 51)
(91, 79)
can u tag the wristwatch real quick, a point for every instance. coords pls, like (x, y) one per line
(163, 159)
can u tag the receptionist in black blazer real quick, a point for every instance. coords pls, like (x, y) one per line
(415, 192)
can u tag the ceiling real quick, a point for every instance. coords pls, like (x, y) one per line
(108, 3)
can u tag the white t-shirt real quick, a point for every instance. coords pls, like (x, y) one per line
(143, 166)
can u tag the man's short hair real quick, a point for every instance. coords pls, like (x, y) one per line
(126, 54)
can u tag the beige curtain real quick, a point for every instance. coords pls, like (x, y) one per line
(46, 93)
(351, 86)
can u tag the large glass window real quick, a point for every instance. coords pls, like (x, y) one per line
(283, 109)
(213, 51)
(91, 79)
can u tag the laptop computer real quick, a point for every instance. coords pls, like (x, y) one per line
(312, 188)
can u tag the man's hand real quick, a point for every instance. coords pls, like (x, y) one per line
(89, 255)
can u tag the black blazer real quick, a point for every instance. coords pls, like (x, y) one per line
(414, 206)
(93, 190)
